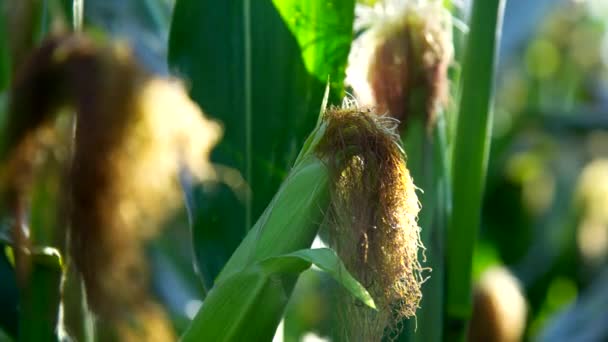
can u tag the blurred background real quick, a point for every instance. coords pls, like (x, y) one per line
(545, 212)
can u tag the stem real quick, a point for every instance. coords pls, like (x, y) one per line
(469, 159)
(248, 110)
(78, 15)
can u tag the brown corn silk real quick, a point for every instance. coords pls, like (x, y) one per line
(372, 223)
(133, 134)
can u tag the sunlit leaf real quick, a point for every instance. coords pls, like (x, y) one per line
(248, 305)
(325, 259)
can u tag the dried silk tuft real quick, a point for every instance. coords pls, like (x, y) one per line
(372, 223)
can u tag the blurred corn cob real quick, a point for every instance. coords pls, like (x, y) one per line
(499, 308)
(133, 134)
(399, 63)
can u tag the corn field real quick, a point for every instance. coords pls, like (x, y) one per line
(322, 170)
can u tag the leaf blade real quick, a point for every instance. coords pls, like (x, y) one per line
(469, 159)
(248, 305)
(249, 68)
(327, 260)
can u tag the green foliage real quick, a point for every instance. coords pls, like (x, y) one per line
(5, 63)
(260, 67)
(249, 304)
(326, 260)
(250, 294)
(40, 298)
(470, 155)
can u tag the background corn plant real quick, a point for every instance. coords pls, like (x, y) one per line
(261, 69)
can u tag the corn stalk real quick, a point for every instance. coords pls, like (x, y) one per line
(469, 159)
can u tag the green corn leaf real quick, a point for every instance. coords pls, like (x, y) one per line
(260, 68)
(322, 31)
(5, 63)
(248, 305)
(325, 259)
(292, 219)
(9, 293)
(40, 297)
(10, 256)
(247, 302)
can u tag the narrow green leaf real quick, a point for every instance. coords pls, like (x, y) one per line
(292, 219)
(246, 306)
(249, 305)
(5, 62)
(3, 111)
(325, 259)
(40, 297)
(77, 14)
(469, 158)
(67, 9)
(9, 254)
(260, 67)
(9, 294)
(247, 302)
